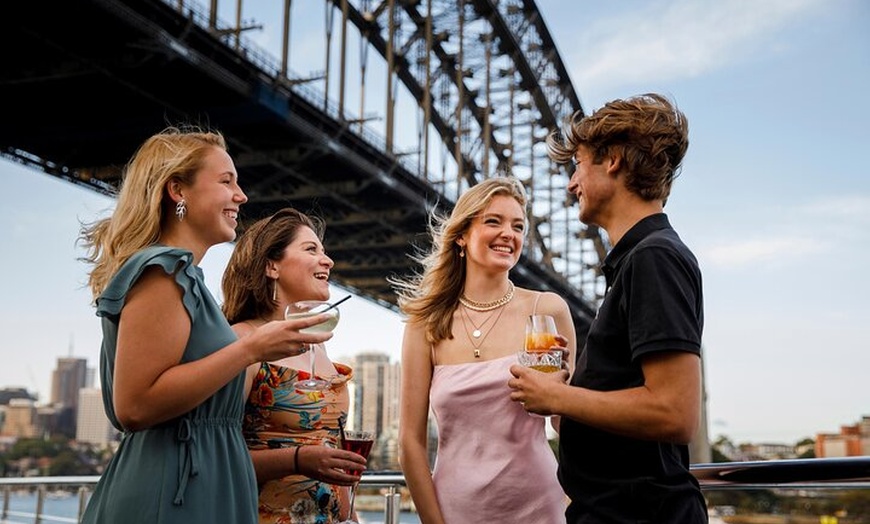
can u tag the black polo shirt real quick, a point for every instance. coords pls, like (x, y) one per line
(653, 303)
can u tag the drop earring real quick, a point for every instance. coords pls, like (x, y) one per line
(275, 290)
(181, 210)
(461, 251)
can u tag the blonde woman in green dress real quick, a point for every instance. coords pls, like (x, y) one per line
(171, 369)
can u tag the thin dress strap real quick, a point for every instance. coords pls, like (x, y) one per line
(535, 309)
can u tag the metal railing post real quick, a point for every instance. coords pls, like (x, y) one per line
(392, 506)
(83, 499)
(40, 502)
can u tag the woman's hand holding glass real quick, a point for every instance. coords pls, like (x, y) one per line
(358, 442)
(330, 465)
(285, 338)
(329, 314)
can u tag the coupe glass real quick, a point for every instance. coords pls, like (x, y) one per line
(310, 308)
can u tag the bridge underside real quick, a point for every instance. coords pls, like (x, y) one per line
(87, 84)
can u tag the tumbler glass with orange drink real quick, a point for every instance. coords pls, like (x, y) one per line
(540, 341)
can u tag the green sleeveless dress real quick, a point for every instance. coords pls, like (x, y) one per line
(193, 469)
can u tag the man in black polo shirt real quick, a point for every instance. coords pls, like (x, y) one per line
(634, 401)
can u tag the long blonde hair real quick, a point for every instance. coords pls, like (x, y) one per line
(432, 296)
(143, 204)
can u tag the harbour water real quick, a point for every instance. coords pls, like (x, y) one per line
(62, 507)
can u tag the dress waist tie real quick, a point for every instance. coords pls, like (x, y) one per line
(187, 458)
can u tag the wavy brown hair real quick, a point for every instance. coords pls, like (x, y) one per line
(246, 288)
(432, 296)
(143, 204)
(647, 131)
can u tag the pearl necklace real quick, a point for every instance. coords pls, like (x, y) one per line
(483, 307)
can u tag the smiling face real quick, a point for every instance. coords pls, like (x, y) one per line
(303, 271)
(214, 198)
(494, 240)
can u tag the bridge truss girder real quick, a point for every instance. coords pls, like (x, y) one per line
(291, 142)
(488, 79)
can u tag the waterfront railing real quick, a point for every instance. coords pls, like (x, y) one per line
(794, 475)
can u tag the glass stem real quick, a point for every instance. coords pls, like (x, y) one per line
(351, 500)
(312, 358)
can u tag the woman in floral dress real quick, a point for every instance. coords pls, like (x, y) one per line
(293, 435)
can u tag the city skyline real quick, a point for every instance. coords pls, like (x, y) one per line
(76, 407)
(774, 198)
(374, 406)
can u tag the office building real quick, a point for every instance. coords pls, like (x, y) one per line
(68, 378)
(19, 417)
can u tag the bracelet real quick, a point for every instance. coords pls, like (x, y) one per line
(296, 460)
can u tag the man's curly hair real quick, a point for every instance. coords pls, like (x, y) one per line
(647, 131)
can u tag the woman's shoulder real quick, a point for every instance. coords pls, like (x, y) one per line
(542, 302)
(172, 261)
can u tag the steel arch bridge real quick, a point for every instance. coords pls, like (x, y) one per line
(460, 90)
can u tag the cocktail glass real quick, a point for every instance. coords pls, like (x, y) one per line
(310, 308)
(359, 442)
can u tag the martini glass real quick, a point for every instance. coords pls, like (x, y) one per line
(359, 442)
(310, 308)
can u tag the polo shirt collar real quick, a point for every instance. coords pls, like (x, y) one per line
(631, 238)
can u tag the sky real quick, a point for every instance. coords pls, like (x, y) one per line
(774, 199)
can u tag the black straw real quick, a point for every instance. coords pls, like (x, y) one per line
(337, 303)
(341, 420)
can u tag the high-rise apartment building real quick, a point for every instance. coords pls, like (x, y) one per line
(92, 424)
(376, 393)
(375, 403)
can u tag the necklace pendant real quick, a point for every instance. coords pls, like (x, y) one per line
(476, 333)
(476, 353)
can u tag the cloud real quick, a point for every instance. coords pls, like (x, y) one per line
(746, 252)
(806, 229)
(677, 39)
(845, 210)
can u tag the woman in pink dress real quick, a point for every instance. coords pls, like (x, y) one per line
(292, 435)
(466, 323)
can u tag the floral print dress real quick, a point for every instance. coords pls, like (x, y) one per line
(278, 415)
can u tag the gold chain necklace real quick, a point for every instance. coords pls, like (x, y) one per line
(477, 331)
(483, 307)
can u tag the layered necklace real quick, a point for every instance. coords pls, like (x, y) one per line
(477, 336)
(483, 307)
